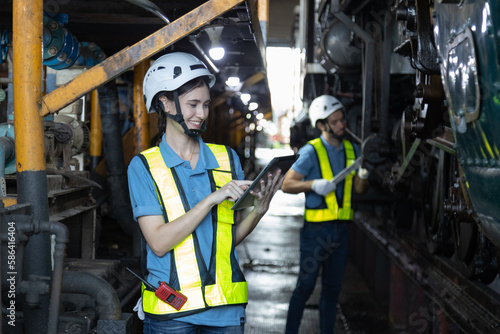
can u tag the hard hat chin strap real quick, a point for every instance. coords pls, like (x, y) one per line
(180, 119)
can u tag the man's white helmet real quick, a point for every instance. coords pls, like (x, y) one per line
(322, 107)
(171, 71)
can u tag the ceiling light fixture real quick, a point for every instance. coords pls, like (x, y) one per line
(253, 106)
(245, 98)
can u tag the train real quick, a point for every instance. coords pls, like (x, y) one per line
(420, 82)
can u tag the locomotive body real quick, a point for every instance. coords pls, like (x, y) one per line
(467, 41)
(420, 83)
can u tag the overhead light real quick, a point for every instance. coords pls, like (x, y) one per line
(245, 98)
(216, 51)
(253, 106)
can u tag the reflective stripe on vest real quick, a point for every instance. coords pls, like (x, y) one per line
(332, 210)
(202, 292)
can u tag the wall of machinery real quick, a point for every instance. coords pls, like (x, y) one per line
(420, 80)
(71, 118)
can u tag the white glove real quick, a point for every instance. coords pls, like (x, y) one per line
(363, 173)
(323, 187)
(139, 310)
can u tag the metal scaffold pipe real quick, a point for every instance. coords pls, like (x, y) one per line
(141, 116)
(30, 151)
(95, 130)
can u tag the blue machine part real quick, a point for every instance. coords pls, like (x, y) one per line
(7, 130)
(90, 54)
(61, 49)
(468, 42)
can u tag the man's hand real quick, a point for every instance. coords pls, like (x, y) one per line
(323, 187)
(363, 173)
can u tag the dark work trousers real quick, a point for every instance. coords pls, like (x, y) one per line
(325, 246)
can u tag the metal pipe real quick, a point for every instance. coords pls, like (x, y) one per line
(207, 59)
(302, 40)
(103, 293)
(151, 7)
(116, 171)
(134, 292)
(30, 155)
(368, 69)
(27, 79)
(28, 227)
(141, 116)
(263, 16)
(61, 233)
(386, 73)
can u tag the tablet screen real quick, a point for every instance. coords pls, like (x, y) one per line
(284, 163)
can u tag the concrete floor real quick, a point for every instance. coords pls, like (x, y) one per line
(269, 257)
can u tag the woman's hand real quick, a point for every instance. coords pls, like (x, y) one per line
(263, 194)
(230, 191)
(263, 197)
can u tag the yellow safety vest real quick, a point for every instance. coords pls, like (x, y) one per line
(332, 210)
(222, 283)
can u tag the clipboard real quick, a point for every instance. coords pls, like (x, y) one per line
(284, 163)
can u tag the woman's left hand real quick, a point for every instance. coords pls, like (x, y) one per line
(263, 197)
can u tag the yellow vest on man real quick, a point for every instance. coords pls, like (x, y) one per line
(332, 210)
(222, 283)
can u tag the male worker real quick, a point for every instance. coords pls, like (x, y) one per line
(328, 212)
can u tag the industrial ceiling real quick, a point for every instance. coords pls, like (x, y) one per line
(114, 25)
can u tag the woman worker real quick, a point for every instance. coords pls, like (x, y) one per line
(181, 193)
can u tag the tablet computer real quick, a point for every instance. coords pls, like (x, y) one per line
(284, 163)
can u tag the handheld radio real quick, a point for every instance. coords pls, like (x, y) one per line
(165, 293)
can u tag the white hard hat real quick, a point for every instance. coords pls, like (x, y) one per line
(322, 107)
(171, 71)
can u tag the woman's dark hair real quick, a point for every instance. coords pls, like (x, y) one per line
(187, 87)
